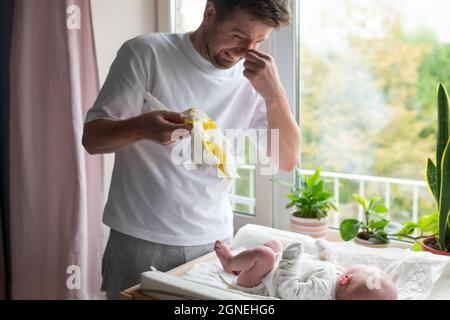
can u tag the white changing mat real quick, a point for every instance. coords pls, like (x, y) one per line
(168, 287)
(418, 275)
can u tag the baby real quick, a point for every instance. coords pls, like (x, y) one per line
(289, 273)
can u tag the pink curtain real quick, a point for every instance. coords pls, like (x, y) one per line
(57, 238)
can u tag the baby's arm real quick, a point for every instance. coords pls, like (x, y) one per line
(325, 251)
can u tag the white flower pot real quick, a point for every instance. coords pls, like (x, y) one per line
(369, 244)
(316, 228)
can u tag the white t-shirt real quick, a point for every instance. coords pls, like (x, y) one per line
(151, 197)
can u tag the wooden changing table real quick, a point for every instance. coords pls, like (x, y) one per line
(133, 293)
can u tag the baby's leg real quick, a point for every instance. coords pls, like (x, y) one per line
(275, 245)
(259, 262)
(252, 264)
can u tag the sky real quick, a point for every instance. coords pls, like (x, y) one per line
(433, 14)
(192, 12)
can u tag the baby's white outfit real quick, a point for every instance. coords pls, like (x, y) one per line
(300, 276)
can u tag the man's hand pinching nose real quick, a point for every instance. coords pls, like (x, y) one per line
(159, 126)
(261, 71)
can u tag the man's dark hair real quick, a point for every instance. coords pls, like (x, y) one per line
(275, 13)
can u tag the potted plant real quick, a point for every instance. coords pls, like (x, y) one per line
(370, 232)
(427, 227)
(310, 205)
(438, 179)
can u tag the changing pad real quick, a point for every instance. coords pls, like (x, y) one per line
(418, 275)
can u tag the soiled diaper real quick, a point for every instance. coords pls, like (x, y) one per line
(213, 152)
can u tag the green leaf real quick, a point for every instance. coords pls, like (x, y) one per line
(323, 196)
(290, 205)
(442, 137)
(431, 179)
(312, 180)
(332, 205)
(429, 224)
(349, 229)
(317, 188)
(361, 200)
(378, 225)
(408, 229)
(416, 247)
(320, 214)
(381, 209)
(293, 197)
(444, 199)
(373, 203)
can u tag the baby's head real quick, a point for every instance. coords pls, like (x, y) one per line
(361, 282)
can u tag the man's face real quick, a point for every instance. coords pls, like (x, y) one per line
(227, 41)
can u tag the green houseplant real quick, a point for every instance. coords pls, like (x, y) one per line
(310, 205)
(438, 179)
(428, 226)
(370, 232)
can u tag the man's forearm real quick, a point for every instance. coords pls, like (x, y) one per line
(108, 136)
(262, 73)
(280, 118)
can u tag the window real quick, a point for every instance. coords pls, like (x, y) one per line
(368, 77)
(188, 14)
(363, 75)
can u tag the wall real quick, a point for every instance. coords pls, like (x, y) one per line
(116, 22)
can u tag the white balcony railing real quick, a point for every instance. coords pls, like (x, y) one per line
(387, 182)
(337, 177)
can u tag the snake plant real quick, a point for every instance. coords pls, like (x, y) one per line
(438, 175)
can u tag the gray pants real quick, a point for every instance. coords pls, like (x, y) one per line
(127, 257)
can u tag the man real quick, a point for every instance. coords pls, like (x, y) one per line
(160, 214)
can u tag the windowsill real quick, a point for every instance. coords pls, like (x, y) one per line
(333, 235)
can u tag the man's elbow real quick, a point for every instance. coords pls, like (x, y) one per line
(289, 164)
(86, 146)
(285, 162)
(86, 142)
(290, 156)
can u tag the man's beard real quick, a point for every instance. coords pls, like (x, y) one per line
(216, 60)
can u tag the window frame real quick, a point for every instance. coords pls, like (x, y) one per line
(165, 18)
(285, 45)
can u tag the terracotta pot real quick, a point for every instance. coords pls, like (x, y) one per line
(426, 248)
(316, 228)
(367, 243)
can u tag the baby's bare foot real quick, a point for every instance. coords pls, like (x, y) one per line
(224, 254)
